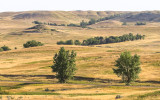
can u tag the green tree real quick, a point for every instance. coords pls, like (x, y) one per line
(92, 21)
(64, 65)
(77, 42)
(83, 24)
(128, 67)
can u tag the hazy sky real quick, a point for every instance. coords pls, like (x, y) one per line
(115, 5)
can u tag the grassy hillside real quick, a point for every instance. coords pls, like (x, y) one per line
(26, 73)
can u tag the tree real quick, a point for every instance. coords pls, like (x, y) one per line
(92, 21)
(83, 24)
(128, 67)
(77, 42)
(64, 65)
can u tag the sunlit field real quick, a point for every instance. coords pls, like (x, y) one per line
(25, 73)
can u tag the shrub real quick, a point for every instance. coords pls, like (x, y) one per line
(60, 42)
(32, 43)
(140, 23)
(77, 42)
(5, 48)
(37, 22)
(75, 25)
(69, 42)
(1, 49)
(53, 30)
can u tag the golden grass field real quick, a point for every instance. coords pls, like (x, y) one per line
(27, 70)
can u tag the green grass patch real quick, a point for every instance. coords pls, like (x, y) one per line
(80, 82)
(108, 72)
(153, 94)
(35, 93)
(89, 58)
(157, 64)
(14, 87)
(119, 87)
(46, 67)
(93, 94)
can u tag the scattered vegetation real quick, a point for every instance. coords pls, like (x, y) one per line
(128, 67)
(82, 24)
(153, 94)
(39, 28)
(69, 42)
(106, 40)
(32, 43)
(140, 23)
(124, 23)
(37, 22)
(64, 65)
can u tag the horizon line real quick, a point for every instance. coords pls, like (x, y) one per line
(84, 10)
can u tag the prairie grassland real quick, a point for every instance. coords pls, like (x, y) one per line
(94, 78)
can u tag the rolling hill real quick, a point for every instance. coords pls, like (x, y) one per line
(26, 71)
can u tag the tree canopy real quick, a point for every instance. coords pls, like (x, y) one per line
(32, 43)
(127, 67)
(64, 65)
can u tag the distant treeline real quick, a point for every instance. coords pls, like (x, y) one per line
(103, 40)
(82, 24)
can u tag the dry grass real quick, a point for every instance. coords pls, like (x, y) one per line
(94, 75)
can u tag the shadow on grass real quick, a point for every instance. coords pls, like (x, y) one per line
(78, 78)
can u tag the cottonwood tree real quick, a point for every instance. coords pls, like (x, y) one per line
(64, 65)
(128, 67)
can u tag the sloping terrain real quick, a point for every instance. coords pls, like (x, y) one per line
(27, 70)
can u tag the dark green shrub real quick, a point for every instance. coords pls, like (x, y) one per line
(77, 42)
(62, 25)
(60, 42)
(75, 25)
(53, 30)
(5, 48)
(69, 42)
(32, 43)
(37, 22)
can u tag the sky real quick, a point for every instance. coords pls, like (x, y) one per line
(70, 5)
